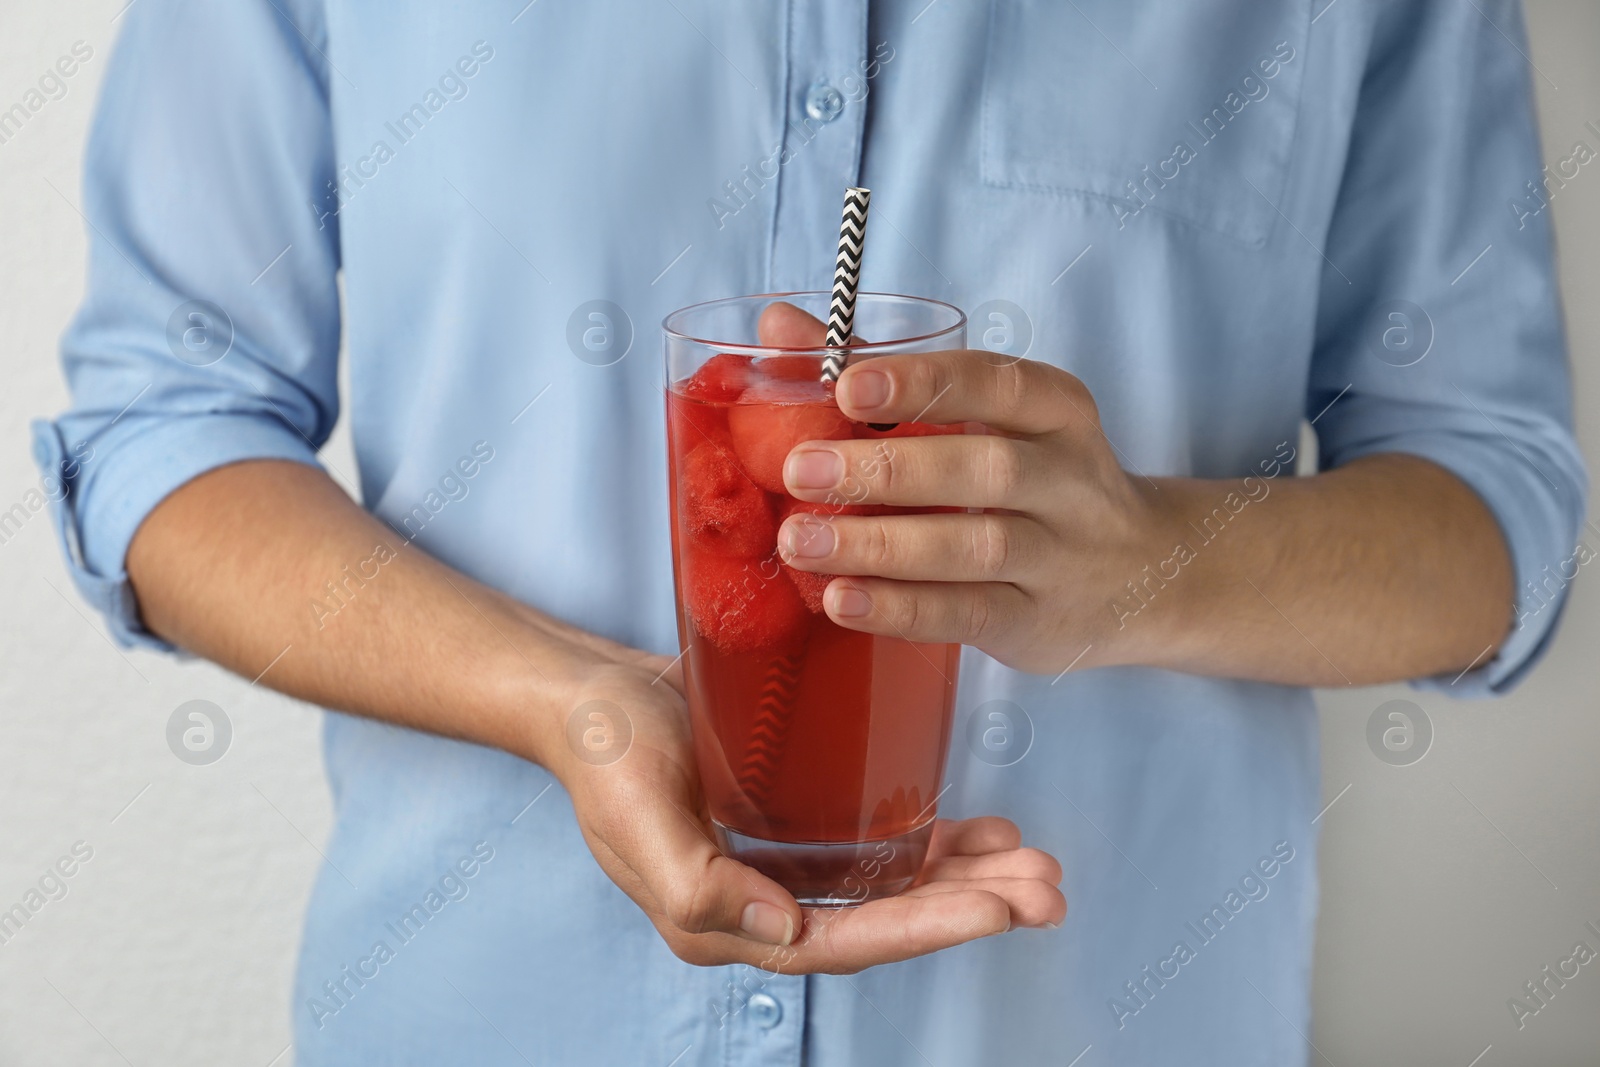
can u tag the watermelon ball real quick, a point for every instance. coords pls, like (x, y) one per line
(775, 415)
(692, 422)
(791, 368)
(809, 586)
(738, 608)
(723, 510)
(720, 379)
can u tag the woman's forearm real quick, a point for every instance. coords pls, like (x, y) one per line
(269, 569)
(1385, 569)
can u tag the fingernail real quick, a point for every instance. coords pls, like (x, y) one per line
(766, 923)
(851, 603)
(814, 469)
(808, 538)
(867, 388)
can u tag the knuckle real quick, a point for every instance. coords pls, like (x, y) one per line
(992, 546)
(1003, 468)
(910, 612)
(865, 472)
(688, 905)
(980, 617)
(1012, 384)
(889, 473)
(877, 549)
(934, 378)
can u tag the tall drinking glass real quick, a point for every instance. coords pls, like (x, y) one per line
(820, 749)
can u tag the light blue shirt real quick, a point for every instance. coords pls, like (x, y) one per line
(1224, 216)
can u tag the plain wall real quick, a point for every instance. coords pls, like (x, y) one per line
(1447, 883)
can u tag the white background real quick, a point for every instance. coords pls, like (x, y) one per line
(1446, 884)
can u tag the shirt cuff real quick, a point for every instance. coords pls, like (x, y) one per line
(1539, 534)
(108, 488)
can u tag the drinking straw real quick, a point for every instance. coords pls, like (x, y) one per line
(771, 724)
(776, 705)
(846, 279)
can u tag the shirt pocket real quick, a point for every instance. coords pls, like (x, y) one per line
(1182, 110)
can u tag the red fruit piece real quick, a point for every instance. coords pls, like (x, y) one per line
(720, 379)
(809, 586)
(775, 415)
(693, 422)
(806, 390)
(792, 368)
(723, 511)
(742, 605)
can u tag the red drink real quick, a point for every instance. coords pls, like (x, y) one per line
(820, 749)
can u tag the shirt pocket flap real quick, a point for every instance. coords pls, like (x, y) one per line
(1185, 110)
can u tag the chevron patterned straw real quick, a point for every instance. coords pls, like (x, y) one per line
(846, 277)
(776, 705)
(773, 713)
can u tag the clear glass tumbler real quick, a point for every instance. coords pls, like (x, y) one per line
(821, 750)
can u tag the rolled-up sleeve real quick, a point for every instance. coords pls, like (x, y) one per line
(210, 329)
(1439, 329)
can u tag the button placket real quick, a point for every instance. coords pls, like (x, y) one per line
(766, 1026)
(821, 140)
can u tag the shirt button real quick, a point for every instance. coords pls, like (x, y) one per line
(765, 1011)
(824, 102)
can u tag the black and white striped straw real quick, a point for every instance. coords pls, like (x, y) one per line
(846, 279)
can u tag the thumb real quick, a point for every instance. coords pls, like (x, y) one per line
(724, 896)
(701, 891)
(782, 325)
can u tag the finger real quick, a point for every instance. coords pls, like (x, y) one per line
(898, 928)
(782, 325)
(956, 548)
(968, 613)
(1020, 396)
(955, 470)
(1011, 863)
(696, 889)
(1031, 902)
(972, 837)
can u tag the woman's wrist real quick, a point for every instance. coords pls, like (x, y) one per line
(563, 691)
(1157, 603)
